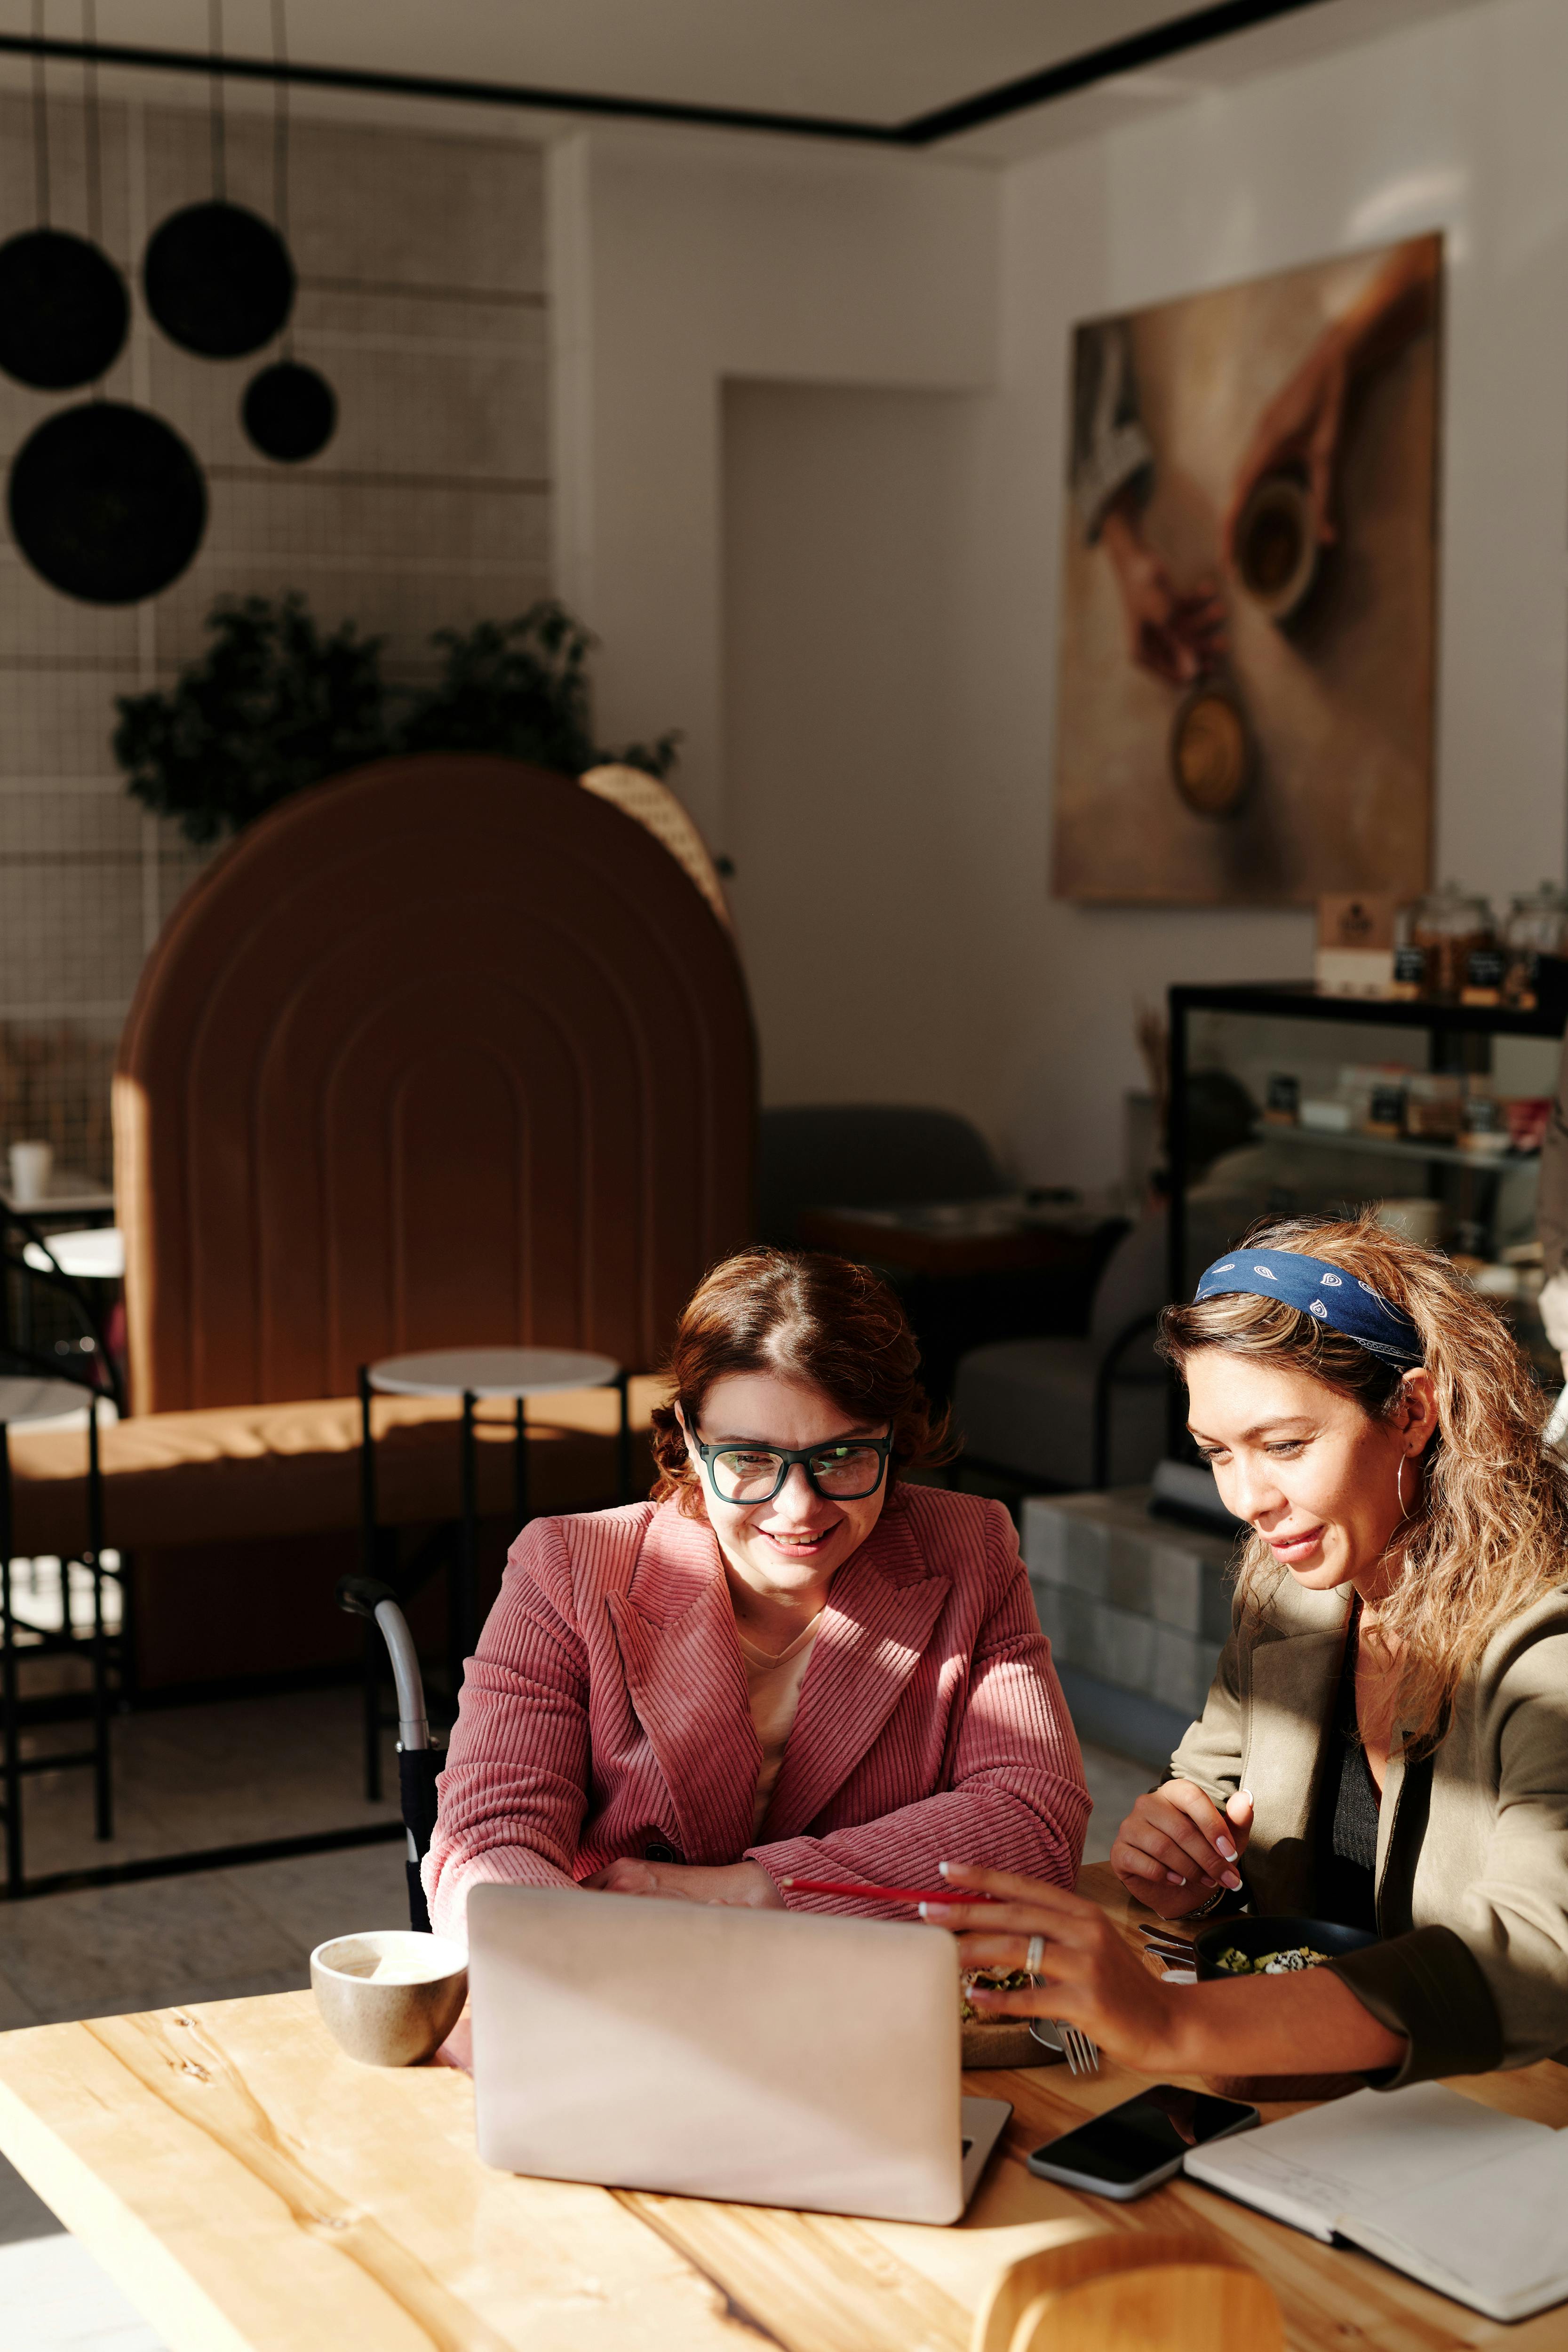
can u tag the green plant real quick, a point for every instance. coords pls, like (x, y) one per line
(519, 686)
(273, 706)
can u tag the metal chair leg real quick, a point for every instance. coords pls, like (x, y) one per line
(367, 1562)
(519, 1503)
(465, 1584)
(623, 1440)
(12, 1732)
(102, 1761)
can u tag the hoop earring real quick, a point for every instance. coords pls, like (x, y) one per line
(1399, 1486)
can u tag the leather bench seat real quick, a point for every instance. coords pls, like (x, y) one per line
(246, 1472)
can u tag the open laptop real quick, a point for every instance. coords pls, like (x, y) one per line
(764, 2057)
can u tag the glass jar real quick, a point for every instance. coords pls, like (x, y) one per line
(1537, 925)
(1537, 920)
(1448, 926)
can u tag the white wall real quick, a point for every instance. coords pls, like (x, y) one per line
(861, 881)
(681, 263)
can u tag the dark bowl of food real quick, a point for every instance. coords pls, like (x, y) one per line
(1272, 1948)
(991, 2040)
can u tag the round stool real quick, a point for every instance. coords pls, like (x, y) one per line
(472, 1373)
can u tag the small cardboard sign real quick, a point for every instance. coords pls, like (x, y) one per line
(1357, 919)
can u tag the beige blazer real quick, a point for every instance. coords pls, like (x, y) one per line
(1472, 1856)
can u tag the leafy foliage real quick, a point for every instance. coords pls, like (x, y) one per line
(274, 705)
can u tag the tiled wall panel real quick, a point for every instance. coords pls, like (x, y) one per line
(422, 299)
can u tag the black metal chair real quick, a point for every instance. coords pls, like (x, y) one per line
(105, 1650)
(419, 1757)
(91, 1341)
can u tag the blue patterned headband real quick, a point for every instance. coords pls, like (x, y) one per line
(1327, 1293)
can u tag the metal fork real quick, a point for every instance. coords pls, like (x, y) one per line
(1079, 2051)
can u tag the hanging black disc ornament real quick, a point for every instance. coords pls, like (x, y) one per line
(289, 412)
(63, 310)
(219, 280)
(107, 503)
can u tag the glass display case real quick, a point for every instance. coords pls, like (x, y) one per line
(1283, 1101)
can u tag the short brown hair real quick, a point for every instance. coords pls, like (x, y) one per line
(822, 1322)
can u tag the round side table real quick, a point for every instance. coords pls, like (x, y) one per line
(24, 1398)
(89, 1254)
(470, 1373)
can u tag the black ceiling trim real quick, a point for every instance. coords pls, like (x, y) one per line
(1161, 42)
(1149, 48)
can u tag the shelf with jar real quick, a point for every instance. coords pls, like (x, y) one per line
(1432, 1113)
(1448, 948)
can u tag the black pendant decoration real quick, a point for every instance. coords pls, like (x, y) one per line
(219, 280)
(107, 503)
(289, 412)
(63, 310)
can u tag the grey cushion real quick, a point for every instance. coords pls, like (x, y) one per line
(865, 1156)
(1029, 1404)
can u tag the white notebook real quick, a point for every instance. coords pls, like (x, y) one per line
(1470, 2201)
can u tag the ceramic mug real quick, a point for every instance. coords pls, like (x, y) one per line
(32, 1166)
(389, 1996)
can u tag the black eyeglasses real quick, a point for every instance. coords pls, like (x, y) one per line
(845, 1472)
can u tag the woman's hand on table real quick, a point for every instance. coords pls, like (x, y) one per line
(1176, 1849)
(1089, 1977)
(743, 1884)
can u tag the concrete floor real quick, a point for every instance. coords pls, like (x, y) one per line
(189, 1779)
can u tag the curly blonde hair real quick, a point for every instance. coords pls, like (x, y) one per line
(1489, 1534)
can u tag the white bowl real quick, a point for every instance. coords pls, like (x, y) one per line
(389, 1996)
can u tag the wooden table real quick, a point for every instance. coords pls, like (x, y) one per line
(253, 2191)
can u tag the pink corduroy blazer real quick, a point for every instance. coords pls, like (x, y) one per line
(605, 1713)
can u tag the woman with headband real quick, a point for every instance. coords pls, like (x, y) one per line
(1386, 1743)
(788, 1664)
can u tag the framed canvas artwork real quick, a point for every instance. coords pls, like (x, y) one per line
(1248, 590)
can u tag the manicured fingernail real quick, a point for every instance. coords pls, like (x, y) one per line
(1232, 1880)
(924, 1910)
(942, 1868)
(1245, 1796)
(1175, 1880)
(1226, 1848)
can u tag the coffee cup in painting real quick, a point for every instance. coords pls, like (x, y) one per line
(389, 1996)
(1276, 544)
(1211, 749)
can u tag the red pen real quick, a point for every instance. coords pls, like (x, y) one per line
(887, 1894)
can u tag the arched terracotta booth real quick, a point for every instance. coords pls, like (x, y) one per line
(447, 1052)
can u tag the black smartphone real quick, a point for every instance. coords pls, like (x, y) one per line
(1134, 2147)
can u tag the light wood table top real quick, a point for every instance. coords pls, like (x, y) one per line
(253, 2191)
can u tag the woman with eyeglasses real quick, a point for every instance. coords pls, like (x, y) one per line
(788, 1664)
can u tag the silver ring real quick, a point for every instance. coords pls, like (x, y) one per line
(1035, 1957)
